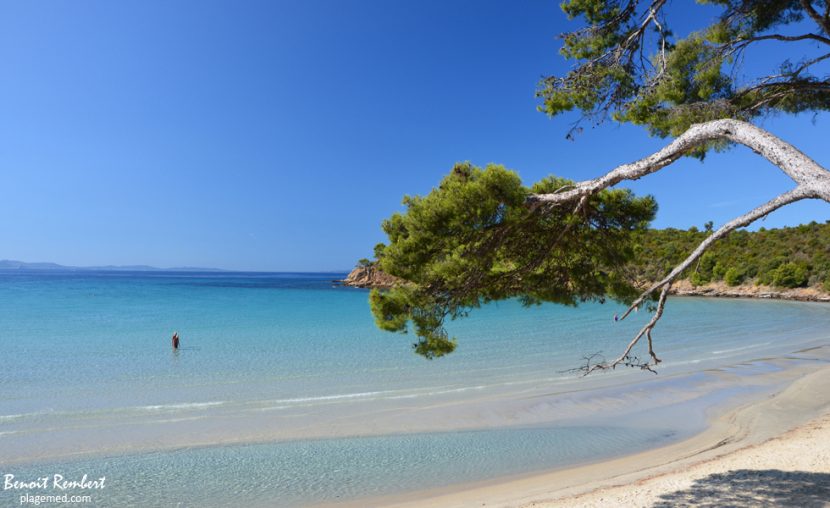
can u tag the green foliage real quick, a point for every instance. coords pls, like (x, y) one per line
(632, 67)
(706, 266)
(786, 257)
(478, 263)
(733, 277)
(697, 279)
(718, 271)
(790, 275)
(474, 239)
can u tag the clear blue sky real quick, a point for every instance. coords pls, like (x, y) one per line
(277, 135)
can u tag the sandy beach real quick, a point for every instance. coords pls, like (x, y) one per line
(790, 470)
(772, 452)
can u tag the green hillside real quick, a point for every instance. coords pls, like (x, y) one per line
(787, 257)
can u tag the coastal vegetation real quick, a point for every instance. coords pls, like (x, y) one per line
(790, 257)
(781, 258)
(482, 235)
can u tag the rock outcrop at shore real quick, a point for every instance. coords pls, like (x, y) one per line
(719, 289)
(369, 277)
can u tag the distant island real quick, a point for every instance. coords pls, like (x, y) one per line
(8, 264)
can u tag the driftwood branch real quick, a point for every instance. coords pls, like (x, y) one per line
(812, 182)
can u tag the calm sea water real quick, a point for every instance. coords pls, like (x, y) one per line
(88, 353)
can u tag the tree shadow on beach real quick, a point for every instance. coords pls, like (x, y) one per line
(751, 488)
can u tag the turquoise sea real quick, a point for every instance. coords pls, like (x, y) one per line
(284, 393)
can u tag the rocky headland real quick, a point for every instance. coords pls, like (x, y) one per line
(369, 277)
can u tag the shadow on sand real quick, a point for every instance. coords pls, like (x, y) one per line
(752, 488)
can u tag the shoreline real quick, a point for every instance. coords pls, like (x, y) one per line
(798, 414)
(721, 290)
(372, 278)
(575, 402)
(772, 387)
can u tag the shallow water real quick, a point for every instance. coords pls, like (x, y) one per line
(87, 368)
(300, 472)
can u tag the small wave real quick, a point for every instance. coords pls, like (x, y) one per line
(679, 363)
(11, 418)
(183, 419)
(187, 405)
(383, 394)
(437, 392)
(272, 408)
(751, 346)
(359, 395)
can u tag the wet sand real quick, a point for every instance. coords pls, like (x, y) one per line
(790, 470)
(771, 451)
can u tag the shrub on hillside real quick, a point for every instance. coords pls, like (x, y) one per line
(790, 275)
(733, 277)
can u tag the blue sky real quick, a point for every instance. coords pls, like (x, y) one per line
(278, 135)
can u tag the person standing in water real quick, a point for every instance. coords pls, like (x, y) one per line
(175, 340)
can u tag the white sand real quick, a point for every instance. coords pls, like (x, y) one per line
(790, 470)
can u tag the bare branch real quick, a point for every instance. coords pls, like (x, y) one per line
(661, 303)
(651, 349)
(792, 75)
(789, 159)
(810, 62)
(792, 196)
(663, 58)
(811, 11)
(590, 364)
(626, 358)
(637, 35)
(783, 38)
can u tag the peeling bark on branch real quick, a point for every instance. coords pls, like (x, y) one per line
(790, 160)
(812, 182)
